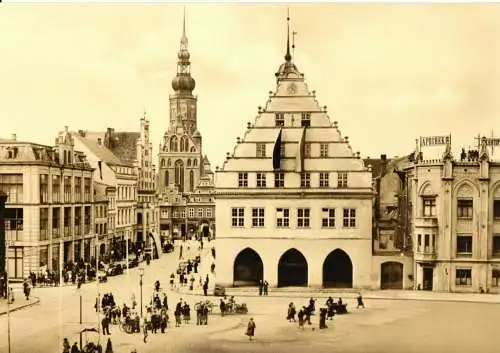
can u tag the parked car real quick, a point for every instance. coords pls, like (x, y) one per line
(169, 247)
(114, 270)
(102, 276)
(182, 266)
(133, 262)
(219, 291)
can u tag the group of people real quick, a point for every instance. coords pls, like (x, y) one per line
(328, 312)
(263, 287)
(90, 347)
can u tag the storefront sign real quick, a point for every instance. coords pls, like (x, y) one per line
(435, 140)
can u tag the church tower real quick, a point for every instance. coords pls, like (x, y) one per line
(185, 181)
(183, 103)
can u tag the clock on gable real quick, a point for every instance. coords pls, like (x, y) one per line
(292, 88)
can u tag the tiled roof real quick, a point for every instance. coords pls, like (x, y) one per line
(376, 164)
(124, 146)
(99, 150)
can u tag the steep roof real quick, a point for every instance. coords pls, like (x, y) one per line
(99, 150)
(124, 146)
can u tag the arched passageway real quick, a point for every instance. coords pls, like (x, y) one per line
(337, 270)
(391, 275)
(248, 268)
(292, 269)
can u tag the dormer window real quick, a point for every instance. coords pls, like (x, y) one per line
(279, 119)
(305, 120)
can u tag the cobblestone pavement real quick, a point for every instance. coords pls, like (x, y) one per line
(385, 326)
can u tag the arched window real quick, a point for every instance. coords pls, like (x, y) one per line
(169, 163)
(191, 181)
(186, 144)
(195, 162)
(193, 149)
(163, 162)
(173, 144)
(189, 162)
(181, 147)
(167, 179)
(179, 174)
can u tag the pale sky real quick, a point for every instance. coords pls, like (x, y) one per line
(388, 73)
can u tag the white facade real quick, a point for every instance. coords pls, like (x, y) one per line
(456, 222)
(293, 200)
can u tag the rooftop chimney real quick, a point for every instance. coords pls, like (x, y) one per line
(383, 157)
(99, 141)
(14, 137)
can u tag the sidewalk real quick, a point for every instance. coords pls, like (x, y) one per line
(20, 302)
(301, 292)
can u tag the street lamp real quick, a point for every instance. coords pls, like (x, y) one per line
(141, 274)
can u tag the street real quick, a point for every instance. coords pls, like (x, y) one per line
(384, 326)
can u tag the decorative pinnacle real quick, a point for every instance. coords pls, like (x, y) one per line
(184, 23)
(288, 56)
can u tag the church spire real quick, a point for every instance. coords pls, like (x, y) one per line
(183, 82)
(288, 56)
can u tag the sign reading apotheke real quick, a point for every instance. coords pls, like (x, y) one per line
(435, 140)
(490, 141)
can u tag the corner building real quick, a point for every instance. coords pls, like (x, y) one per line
(293, 201)
(456, 222)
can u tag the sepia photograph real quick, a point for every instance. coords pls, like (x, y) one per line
(249, 177)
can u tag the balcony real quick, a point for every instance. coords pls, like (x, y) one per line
(426, 222)
(425, 254)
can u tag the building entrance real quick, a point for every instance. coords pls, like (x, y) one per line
(337, 270)
(391, 275)
(248, 268)
(428, 278)
(292, 269)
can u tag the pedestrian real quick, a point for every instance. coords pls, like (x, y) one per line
(205, 289)
(26, 289)
(180, 253)
(74, 348)
(144, 327)
(105, 325)
(261, 286)
(222, 307)
(360, 301)
(66, 346)
(250, 329)
(109, 347)
(266, 286)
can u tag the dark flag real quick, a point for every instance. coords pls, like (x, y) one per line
(300, 155)
(277, 152)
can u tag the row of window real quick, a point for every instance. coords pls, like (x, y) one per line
(81, 189)
(168, 162)
(463, 277)
(181, 146)
(464, 244)
(305, 119)
(200, 213)
(305, 180)
(126, 192)
(261, 152)
(465, 207)
(302, 217)
(55, 222)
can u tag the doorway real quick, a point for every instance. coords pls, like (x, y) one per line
(428, 278)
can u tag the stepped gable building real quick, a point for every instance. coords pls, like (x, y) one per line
(294, 201)
(48, 215)
(456, 221)
(120, 175)
(132, 150)
(185, 179)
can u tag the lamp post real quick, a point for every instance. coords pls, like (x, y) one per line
(141, 274)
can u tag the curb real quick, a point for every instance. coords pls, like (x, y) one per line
(344, 295)
(35, 301)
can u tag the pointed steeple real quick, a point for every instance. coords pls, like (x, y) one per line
(183, 82)
(288, 56)
(288, 68)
